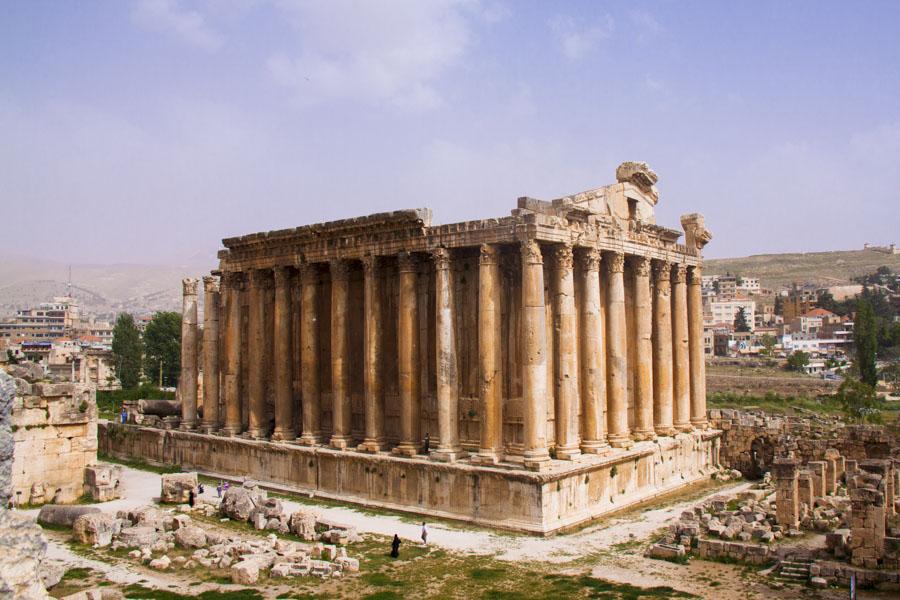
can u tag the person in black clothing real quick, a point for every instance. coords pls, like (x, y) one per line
(395, 546)
(191, 498)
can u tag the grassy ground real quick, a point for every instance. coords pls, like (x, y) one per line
(793, 405)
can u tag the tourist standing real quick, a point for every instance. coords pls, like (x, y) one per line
(424, 533)
(395, 546)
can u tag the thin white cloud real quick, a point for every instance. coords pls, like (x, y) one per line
(645, 24)
(578, 39)
(171, 17)
(383, 53)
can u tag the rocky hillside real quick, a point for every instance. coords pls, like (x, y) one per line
(822, 268)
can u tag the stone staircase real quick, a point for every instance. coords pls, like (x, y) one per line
(795, 570)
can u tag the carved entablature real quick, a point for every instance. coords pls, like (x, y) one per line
(614, 218)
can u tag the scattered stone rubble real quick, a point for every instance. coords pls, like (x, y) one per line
(152, 533)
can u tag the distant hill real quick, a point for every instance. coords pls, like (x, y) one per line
(101, 289)
(822, 268)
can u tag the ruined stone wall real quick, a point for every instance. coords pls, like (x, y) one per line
(749, 439)
(54, 429)
(540, 503)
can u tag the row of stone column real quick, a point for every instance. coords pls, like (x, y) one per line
(669, 385)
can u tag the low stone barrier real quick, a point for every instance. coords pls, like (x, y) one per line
(754, 554)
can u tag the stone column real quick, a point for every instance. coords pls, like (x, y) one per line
(616, 352)
(211, 301)
(233, 284)
(340, 355)
(681, 350)
(805, 489)
(408, 355)
(593, 369)
(260, 281)
(698, 359)
(188, 380)
(489, 356)
(787, 492)
(284, 401)
(373, 391)
(567, 425)
(311, 434)
(817, 468)
(446, 368)
(643, 320)
(831, 470)
(663, 396)
(534, 357)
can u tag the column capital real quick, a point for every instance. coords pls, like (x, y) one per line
(679, 273)
(210, 284)
(407, 262)
(340, 269)
(616, 262)
(563, 256)
(641, 265)
(309, 272)
(441, 258)
(370, 263)
(662, 272)
(261, 278)
(590, 259)
(490, 254)
(531, 252)
(189, 286)
(695, 275)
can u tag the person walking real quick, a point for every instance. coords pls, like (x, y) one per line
(424, 533)
(219, 490)
(395, 546)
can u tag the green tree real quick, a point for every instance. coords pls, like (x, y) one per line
(768, 341)
(740, 321)
(797, 360)
(162, 348)
(859, 401)
(865, 336)
(127, 350)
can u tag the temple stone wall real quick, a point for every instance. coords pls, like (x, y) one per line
(749, 440)
(516, 499)
(54, 430)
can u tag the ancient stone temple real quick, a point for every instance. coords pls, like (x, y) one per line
(530, 371)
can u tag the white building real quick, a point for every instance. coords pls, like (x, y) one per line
(725, 311)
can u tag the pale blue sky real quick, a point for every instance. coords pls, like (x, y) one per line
(147, 130)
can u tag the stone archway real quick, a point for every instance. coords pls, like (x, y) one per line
(762, 454)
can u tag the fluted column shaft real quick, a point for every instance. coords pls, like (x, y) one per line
(446, 368)
(593, 369)
(616, 352)
(260, 280)
(534, 356)
(408, 355)
(340, 357)
(233, 284)
(698, 361)
(680, 348)
(211, 301)
(643, 320)
(489, 355)
(663, 411)
(284, 400)
(373, 391)
(309, 355)
(567, 425)
(188, 379)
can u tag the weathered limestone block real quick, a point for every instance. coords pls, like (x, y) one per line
(190, 537)
(238, 502)
(101, 482)
(137, 537)
(63, 515)
(176, 487)
(96, 528)
(303, 524)
(245, 572)
(23, 550)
